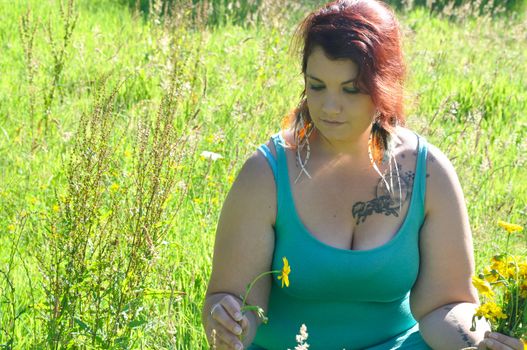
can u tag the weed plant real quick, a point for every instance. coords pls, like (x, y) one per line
(108, 198)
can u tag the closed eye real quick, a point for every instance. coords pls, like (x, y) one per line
(347, 90)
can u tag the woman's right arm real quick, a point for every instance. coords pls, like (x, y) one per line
(243, 249)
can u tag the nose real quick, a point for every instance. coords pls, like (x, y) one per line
(331, 105)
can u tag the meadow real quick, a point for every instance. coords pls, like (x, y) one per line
(108, 197)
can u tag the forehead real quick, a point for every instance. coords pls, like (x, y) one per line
(320, 66)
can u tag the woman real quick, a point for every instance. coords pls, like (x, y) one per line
(369, 215)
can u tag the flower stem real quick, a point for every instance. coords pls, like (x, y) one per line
(248, 290)
(252, 284)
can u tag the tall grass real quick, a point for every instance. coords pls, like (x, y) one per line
(108, 214)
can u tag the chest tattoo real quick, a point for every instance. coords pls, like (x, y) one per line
(385, 202)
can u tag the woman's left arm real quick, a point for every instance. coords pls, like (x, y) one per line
(443, 298)
(448, 327)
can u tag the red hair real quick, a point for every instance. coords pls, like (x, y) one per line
(367, 32)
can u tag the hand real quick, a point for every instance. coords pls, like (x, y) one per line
(223, 320)
(498, 341)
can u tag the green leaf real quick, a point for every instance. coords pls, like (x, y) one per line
(82, 325)
(136, 323)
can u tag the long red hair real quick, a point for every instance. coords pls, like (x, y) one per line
(367, 32)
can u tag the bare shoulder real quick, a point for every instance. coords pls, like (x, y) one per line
(437, 163)
(442, 182)
(255, 183)
(405, 140)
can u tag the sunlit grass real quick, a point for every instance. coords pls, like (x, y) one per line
(466, 93)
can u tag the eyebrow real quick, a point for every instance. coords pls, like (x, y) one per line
(344, 82)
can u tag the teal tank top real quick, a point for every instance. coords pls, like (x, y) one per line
(348, 299)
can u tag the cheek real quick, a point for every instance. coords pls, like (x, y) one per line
(364, 106)
(313, 103)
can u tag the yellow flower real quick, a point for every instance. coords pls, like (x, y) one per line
(500, 266)
(512, 266)
(510, 228)
(482, 286)
(285, 273)
(11, 227)
(490, 311)
(491, 276)
(56, 208)
(523, 269)
(523, 289)
(114, 187)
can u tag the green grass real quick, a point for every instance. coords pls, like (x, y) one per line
(466, 93)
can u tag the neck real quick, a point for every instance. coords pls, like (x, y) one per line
(355, 151)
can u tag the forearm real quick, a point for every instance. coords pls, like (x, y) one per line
(448, 327)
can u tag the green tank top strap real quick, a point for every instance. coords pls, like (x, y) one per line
(420, 169)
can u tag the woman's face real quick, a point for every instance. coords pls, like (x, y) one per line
(338, 109)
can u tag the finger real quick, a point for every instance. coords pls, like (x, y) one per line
(226, 338)
(245, 324)
(221, 345)
(495, 345)
(222, 317)
(232, 306)
(483, 345)
(505, 341)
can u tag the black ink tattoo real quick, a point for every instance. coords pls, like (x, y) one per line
(385, 202)
(459, 328)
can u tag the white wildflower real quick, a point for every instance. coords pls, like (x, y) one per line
(210, 155)
(301, 338)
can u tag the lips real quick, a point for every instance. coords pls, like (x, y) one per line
(332, 122)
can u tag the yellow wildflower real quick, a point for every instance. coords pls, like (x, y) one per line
(499, 265)
(523, 289)
(114, 187)
(56, 208)
(285, 273)
(482, 286)
(490, 275)
(11, 227)
(512, 266)
(490, 311)
(510, 228)
(523, 269)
